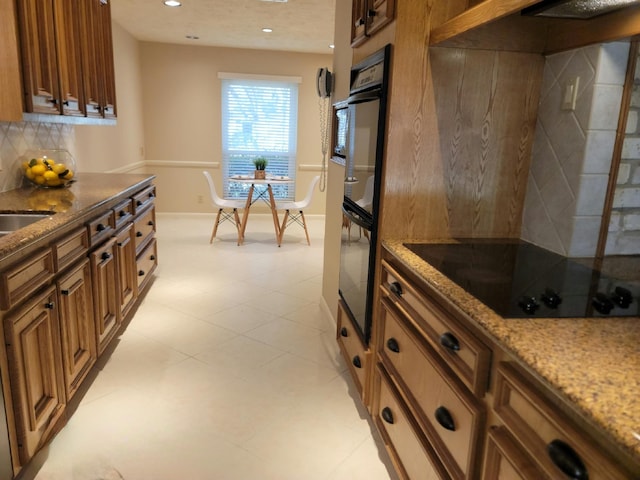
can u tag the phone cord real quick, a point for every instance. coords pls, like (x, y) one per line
(323, 106)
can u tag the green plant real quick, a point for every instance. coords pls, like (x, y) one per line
(260, 163)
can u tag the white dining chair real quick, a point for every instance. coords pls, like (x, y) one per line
(222, 205)
(294, 211)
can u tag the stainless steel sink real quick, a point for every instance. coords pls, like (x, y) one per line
(10, 222)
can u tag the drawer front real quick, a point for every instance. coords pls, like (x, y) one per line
(410, 450)
(353, 350)
(506, 460)
(542, 428)
(146, 263)
(467, 356)
(123, 213)
(450, 415)
(22, 280)
(144, 228)
(70, 248)
(101, 228)
(143, 199)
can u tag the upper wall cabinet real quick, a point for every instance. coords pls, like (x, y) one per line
(67, 57)
(369, 16)
(10, 89)
(500, 25)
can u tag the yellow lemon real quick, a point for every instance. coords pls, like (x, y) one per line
(29, 174)
(58, 168)
(54, 182)
(38, 169)
(39, 179)
(68, 176)
(50, 175)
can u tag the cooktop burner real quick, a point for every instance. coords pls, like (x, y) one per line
(518, 279)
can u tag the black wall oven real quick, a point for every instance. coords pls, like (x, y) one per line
(360, 124)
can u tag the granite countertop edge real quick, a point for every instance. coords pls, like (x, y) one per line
(593, 363)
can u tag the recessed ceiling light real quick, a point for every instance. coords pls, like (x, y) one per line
(267, 30)
(172, 3)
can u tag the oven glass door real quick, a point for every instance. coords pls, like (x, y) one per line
(355, 258)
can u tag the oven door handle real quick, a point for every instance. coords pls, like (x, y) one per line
(353, 216)
(364, 97)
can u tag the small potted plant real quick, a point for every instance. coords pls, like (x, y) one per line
(260, 164)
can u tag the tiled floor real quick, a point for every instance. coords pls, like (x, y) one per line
(228, 370)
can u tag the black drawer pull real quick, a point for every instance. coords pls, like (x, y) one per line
(344, 332)
(123, 213)
(445, 419)
(448, 340)
(392, 344)
(138, 234)
(139, 203)
(396, 288)
(152, 257)
(64, 292)
(105, 256)
(100, 227)
(387, 415)
(357, 362)
(150, 223)
(567, 460)
(50, 305)
(141, 273)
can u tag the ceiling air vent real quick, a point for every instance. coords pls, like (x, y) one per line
(582, 9)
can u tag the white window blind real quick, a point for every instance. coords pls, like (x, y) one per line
(259, 118)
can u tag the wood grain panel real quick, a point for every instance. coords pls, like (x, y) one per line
(10, 83)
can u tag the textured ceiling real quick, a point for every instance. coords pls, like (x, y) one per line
(298, 25)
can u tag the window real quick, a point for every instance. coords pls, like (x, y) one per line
(259, 118)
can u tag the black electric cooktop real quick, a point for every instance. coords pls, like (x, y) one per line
(518, 279)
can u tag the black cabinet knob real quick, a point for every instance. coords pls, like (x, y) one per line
(64, 292)
(622, 297)
(100, 227)
(50, 305)
(141, 273)
(357, 362)
(392, 344)
(601, 303)
(567, 460)
(444, 418)
(123, 213)
(387, 415)
(396, 288)
(138, 234)
(449, 341)
(344, 332)
(105, 256)
(550, 298)
(139, 203)
(152, 257)
(529, 305)
(150, 223)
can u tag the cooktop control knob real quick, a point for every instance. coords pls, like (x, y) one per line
(550, 298)
(601, 303)
(529, 305)
(622, 297)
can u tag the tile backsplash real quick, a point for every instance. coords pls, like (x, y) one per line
(18, 137)
(573, 149)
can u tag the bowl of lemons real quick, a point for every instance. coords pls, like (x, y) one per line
(48, 168)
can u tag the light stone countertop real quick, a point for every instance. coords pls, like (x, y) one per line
(594, 363)
(89, 192)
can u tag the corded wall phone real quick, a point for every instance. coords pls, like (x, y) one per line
(324, 81)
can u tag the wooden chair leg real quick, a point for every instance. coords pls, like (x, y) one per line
(283, 226)
(304, 224)
(215, 226)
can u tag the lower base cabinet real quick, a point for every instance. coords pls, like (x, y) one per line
(32, 336)
(104, 272)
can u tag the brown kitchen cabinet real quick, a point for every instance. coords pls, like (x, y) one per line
(126, 259)
(355, 353)
(368, 17)
(106, 297)
(10, 80)
(77, 330)
(67, 57)
(32, 338)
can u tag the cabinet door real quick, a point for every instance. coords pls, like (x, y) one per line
(32, 336)
(126, 255)
(67, 24)
(37, 33)
(106, 299)
(97, 58)
(10, 81)
(378, 14)
(77, 326)
(358, 22)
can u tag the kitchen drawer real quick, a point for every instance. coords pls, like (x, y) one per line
(506, 460)
(143, 199)
(355, 353)
(146, 263)
(101, 228)
(22, 280)
(542, 428)
(450, 415)
(123, 213)
(413, 457)
(144, 227)
(70, 248)
(466, 355)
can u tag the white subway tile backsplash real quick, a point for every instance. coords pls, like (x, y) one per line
(627, 198)
(606, 107)
(593, 191)
(612, 63)
(632, 122)
(631, 222)
(631, 148)
(584, 240)
(635, 178)
(623, 173)
(598, 151)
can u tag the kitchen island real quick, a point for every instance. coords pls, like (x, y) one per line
(591, 366)
(69, 282)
